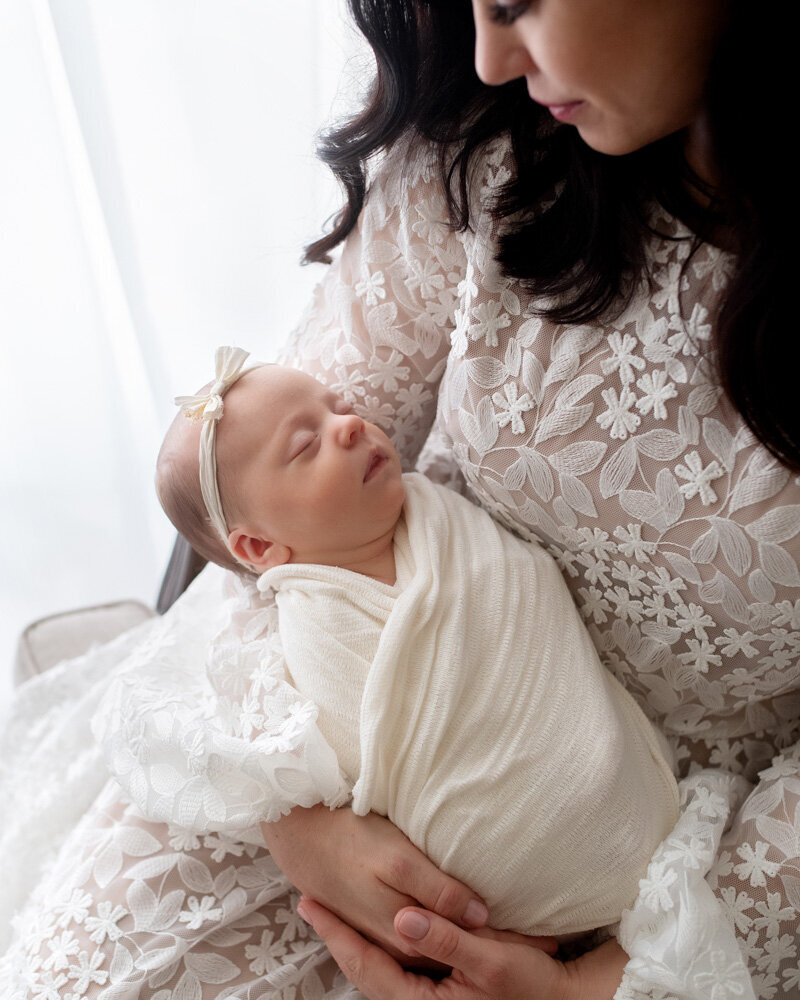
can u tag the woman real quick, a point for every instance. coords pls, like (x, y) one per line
(660, 87)
(576, 382)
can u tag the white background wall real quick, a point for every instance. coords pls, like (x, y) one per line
(157, 183)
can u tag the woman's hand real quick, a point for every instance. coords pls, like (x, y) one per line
(487, 965)
(364, 869)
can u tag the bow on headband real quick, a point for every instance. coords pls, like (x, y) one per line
(228, 362)
(230, 366)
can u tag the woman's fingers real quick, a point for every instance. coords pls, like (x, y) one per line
(414, 875)
(365, 965)
(493, 964)
(475, 957)
(486, 965)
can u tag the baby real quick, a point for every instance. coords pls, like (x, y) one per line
(453, 675)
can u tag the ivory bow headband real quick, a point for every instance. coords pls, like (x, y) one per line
(230, 364)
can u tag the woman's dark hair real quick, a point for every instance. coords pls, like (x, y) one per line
(577, 221)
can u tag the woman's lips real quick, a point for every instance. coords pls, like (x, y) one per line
(564, 112)
(376, 462)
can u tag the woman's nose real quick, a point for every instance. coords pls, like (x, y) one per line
(500, 54)
(349, 429)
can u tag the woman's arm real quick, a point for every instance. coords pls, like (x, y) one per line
(757, 878)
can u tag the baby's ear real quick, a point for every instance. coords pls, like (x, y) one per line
(261, 553)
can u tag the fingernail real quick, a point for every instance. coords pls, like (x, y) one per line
(413, 925)
(476, 914)
(303, 912)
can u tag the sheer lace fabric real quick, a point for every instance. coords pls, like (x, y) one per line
(676, 532)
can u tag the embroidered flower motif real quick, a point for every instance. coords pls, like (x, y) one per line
(622, 358)
(597, 569)
(754, 865)
(374, 411)
(425, 275)
(249, 718)
(632, 544)
(431, 226)
(773, 914)
(626, 607)
(693, 618)
(701, 655)
(595, 540)
(104, 925)
(61, 947)
(665, 584)
(655, 606)
(733, 643)
(686, 339)
(618, 416)
(776, 950)
(737, 904)
(632, 577)
(412, 401)
(349, 384)
(787, 614)
(199, 912)
(654, 888)
(76, 908)
(88, 971)
(510, 408)
(371, 288)
(698, 478)
(387, 374)
(265, 956)
(488, 320)
(594, 604)
(724, 979)
(48, 986)
(657, 390)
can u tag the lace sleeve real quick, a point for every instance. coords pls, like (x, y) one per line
(378, 327)
(757, 878)
(202, 729)
(718, 912)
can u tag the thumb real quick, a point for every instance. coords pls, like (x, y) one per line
(478, 958)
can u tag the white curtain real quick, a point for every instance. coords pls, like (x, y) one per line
(157, 183)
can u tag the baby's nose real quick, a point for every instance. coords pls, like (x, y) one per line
(350, 429)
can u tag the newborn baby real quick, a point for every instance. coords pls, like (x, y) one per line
(452, 672)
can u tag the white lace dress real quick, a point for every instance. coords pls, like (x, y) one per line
(677, 534)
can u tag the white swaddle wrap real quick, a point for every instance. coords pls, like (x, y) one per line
(468, 704)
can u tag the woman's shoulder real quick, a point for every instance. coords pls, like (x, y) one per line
(416, 169)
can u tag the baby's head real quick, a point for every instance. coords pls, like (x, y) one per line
(301, 478)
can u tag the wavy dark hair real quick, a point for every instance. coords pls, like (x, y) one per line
(585, 215)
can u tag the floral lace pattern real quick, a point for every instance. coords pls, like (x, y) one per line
(153, 911)
(678, 535)
(222, 749)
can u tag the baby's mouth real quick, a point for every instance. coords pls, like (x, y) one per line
(375, 464)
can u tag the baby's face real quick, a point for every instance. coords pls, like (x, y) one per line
(308, 473)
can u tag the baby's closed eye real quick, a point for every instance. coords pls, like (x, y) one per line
(302, 444)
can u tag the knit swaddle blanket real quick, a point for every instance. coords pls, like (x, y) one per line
(468, 704)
